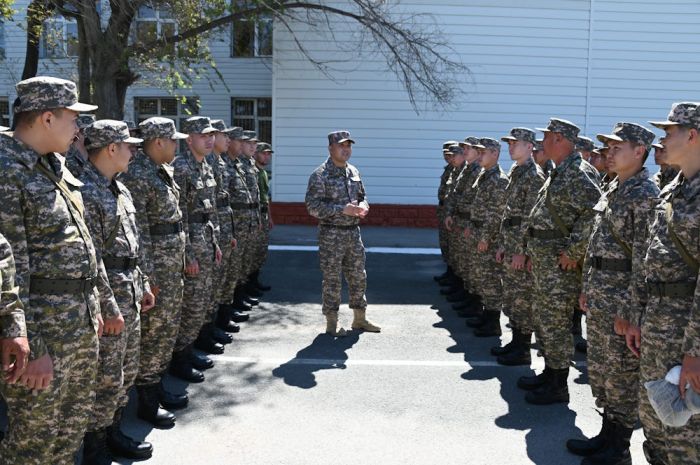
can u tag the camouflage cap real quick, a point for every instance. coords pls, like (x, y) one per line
(220, 126)
(526, 134)
(85, 120)
(681, 114)
(489, 144)
(250, 136)
(338, 137)
(455, 149)
(629, 132)
(264, 147)
(446, 145)
(108, 131)
(158, 127)
(470, 141)
(585, 144)
(539, 145)
(197, 125)
(563, 127)
(236, 133)
(46, 92)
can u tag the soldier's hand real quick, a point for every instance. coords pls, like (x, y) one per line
(500, 255)
(448, 223)
(621, 326)
(114, 326)
(633, 338)
(351, 210)
(467, 233)
(192, 269)
(583, 302)
(155, 290)
(17, 348)
(148, 301)
(100, 325)
(528, 265)
(518, 262)
(363, 212)
(567, 264)
(218, 256)
(690, 374)
(482, 246)
(234, 243)
(38, 374)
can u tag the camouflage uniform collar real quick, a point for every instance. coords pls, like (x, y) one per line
(688, 188)
(142, 156)
(571, 160)
(494, 169)
(474, 166)
(332, 169)
(192, 160)
(92, 173)
(20, 151)
(641, 176)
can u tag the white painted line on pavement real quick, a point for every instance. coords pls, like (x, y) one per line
(387, 250)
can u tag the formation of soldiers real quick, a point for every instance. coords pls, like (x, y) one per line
(116, 261)
(574, 227)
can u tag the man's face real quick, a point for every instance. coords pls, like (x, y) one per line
(519, 149)
(539, 157)
(598, 161)
(622, 157)
(263, 158)
(675, 143)
(234, 147)
(586, 155)
(488, 157)
(248, 147)
(201, 144)
(62, 129)
(169, 147)
(340, 153)
(471, 154)
(221, 142)
(660, 156)
(121, 155)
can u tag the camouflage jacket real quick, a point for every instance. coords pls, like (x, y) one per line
(110, 213)
(548, 167)
(156, 198)
(49, 237)
(264, 187)
(12, 322)
(572, 190)
(524, 182)
(451, 184)
(663, 261)
(330, 189)
(623, 216)
(251, 177)
(240, 194)
(197, 199)
(223, 199)
(75, 161)
(460, 205)
(489, 200)
(665, 176)
(442, 188)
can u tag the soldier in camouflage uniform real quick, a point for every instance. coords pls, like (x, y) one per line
(14, 345)
(585, 147)
(336, 196)
(666, 172)
(58, 277)
(558, 229)
(111, 219)
(524, 182)
(263, 155)
(615, 254)
(482, 235)
(156, 199)
(442, 230)
(669, 322)
(543, 162)
(77, 156)
(197, 185)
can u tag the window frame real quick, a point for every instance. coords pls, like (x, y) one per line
(58, 21)
(255, 117)
(191, 101)
(255, 39)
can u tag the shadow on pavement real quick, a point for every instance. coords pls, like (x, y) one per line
(324, 353)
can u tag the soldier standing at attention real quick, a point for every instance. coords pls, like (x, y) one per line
(58, 276)
(666, 172)
(77, 156)
(559, 229)
(615, 254)
(111, 219)
(585, 147)
(442, 231)
(263, 156)
(156, 199)
(545, 163)
(336, 196)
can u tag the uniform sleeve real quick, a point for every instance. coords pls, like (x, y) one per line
(691, 339)
(529, 200)
(317, 204)
(362, 194)
(182, 179)
(584, 199)
(494, 202)
(12, 322)
(142, 197)
(643, 218)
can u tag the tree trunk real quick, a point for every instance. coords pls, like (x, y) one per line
(84, 87)
(36, 13)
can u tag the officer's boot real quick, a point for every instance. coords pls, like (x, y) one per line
(149, 408)
(491, 326)
(239, 303)
(617, 451)
(255, 276)
(95, 450)
(217, 334)
(359, 321)
(529, 383)
(200, 362)
(205, 343)
(332, 325)
(122, 445)
(223, 321)
(555, 391)
(238, 317)
(586, 447)
(181, 366)
(520, 355)
(170, 400)
(576, 322)
(502, 350)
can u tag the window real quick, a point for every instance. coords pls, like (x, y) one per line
(155, 22)
(59, 38)
(4, 112)
(169, 107)
(253, 114)
(251, 38)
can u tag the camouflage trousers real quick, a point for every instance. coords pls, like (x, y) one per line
(246, 237)
(613, 370)
(161, 324)
(47, 427)
(118, 367)
(517, 296)
(443, 234)
(221, 284)
(485, 275)
(342, 253)
(261, 245)
(198, 301)
(459, 252)
(556, 294)
(663, 330)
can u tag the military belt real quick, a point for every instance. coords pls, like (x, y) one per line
(244, 206)
(198, 218)
(661, 289)
(477, 224)
(611, 264)
(222, 203)
(338, 226)
(546, 234)
(512, 221)
(164, 229)
(120, 263)
(464, 215)
(61, 286)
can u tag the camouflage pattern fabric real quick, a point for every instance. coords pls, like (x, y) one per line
(197, 199)
(564, 127)
(260, 255)
(156, 199)
(75, 162)
(108, 206)
(50, 241)
(683, 114)
(197, 125)
(664, 177)
(526, 134)
(622, 214)
(103, 132)
(454, 188)
(158, 127)
(12, 322)
(45, 93)
(251, 180)
(460, 209)
(572, 190)
(442, 194)
(340, 247)
(338, 137)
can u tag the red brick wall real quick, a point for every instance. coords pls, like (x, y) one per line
(414, 216)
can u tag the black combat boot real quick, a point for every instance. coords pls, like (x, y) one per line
(95, 450)
(456, 285)
(586, 447)
(122, 445)
(617, 450)
(555, 391)
(475, 309)
(250, 290)
(205, 343)
(502, 350)
(149, 408)
(239, 317)
(529, 383)
(491, 326)
(520, 354)
(255, 279)
(170, 400)
(200, 361)
(223, 321)
(464, 304)
(252, 301)
(219, 335)
(239, 303)
(181, 366)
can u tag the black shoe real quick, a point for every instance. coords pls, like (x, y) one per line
(520, 355)
(208, 345)
(617, 450)
(252, 301)
(95, 451)
(223, 321)
(502, 350)
(170, 400)
(586, 447)
(122, 445)
(519, 339)
(582, 346)
(200, 362)
(181, 367)
(239, 304)
(555, 391)
(529, 383)
(220, 336)
(491, 326)
(149, 410)
(238, 317)
(448, 282)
